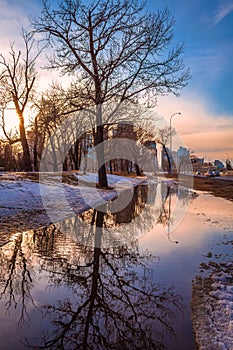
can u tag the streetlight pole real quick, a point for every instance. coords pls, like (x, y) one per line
(176, 113)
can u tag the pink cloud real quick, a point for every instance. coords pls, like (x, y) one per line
(202, 131)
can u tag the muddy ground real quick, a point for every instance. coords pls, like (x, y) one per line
(217, 187)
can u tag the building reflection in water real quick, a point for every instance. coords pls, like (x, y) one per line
(109, 297)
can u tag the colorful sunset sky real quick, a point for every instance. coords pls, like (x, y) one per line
(206, 104)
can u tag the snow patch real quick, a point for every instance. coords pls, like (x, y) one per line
(22, 207)
(212, 309)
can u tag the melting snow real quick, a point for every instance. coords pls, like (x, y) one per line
(212, 309)
(23, 198)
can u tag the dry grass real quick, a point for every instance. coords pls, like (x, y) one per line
(218, 187)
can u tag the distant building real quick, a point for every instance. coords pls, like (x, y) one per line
(197, 163)
(183, 152)
(184, 162)
(196, 160)
(174, 155)
(151, 146)
(218, 164)
(123, 130)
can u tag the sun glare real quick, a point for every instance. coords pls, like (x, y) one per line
(11, 120)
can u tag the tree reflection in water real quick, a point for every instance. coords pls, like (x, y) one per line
(116, 302)
(16, 278)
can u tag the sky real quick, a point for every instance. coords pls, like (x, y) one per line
(206, 104)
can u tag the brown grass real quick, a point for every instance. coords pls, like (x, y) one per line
(218, 187)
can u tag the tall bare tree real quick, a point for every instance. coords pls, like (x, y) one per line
(119, 51)
(17, 78)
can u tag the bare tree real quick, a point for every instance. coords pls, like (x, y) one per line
(163, 136)
(17, 78)
(118, 50)
(16, 279)
(184, 162)
(54, 109)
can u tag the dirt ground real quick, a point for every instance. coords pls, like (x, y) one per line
(218, 187)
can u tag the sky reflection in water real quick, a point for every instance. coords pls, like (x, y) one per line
(105, 281)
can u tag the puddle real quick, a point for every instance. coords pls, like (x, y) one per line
(116, 279)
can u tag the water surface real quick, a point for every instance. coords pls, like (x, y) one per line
(110, 279)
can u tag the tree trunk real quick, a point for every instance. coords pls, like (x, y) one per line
(26, 154)
(77, 155)
(110, 166)
(84, 162)
(138, 170)
(168, 158)
(35, 156)
(65, 167)
(102, 175)
(99, 139)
